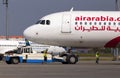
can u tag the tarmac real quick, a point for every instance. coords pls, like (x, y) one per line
(83, 69)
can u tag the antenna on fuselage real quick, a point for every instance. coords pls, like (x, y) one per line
(71, 9)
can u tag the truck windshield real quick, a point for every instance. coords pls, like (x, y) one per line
(19, 51)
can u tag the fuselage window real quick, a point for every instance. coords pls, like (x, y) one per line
(85, 23)
(104, 23)
(80, 23)
(95, 23)
(90, 23)
(119, 23)
(99, 23)
(75, 23)
(114, 23)
(109, 23)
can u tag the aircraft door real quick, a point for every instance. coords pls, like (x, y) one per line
(66, 23)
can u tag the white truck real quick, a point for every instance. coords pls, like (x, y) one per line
(26, 55)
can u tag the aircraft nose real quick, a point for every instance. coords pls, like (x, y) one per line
(28, 33)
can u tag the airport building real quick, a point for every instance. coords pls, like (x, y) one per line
(12, 37)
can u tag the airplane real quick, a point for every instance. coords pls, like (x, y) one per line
(79, 29)
(9, 45)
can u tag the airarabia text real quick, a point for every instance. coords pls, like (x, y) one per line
(98, 18)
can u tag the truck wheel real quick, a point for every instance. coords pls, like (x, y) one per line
(14, 60)
(65, 59)
(72, 59)
(1, 57)
(8, 62)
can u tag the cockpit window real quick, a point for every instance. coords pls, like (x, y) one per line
(48, 22)
(43, 22)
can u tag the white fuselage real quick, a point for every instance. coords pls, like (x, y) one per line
(77, 29)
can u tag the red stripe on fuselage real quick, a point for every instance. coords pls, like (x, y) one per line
(113, 43)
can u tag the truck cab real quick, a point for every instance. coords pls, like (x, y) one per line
(25, 54)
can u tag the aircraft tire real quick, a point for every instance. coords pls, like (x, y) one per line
(72, 59)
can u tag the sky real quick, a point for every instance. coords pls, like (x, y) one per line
(24, 13)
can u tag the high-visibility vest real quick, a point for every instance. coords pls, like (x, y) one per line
(97, 55)
(45, 54)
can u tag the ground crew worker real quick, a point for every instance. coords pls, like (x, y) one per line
(97, 57)
(45, 56)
